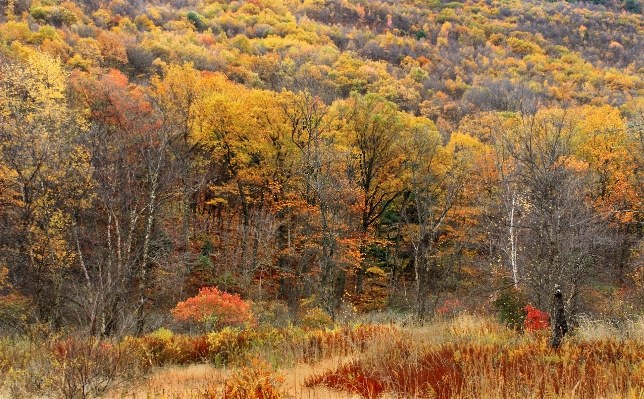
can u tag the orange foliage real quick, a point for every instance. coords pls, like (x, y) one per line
(211, 304)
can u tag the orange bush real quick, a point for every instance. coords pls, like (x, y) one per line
(213, 307)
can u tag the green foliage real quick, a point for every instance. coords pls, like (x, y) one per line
(197, 20)
(204, 262)
(38, 13)
(446, 14)
(207, 248)
(453, 4)
(634, 6)
(45, 32)
(510, 305)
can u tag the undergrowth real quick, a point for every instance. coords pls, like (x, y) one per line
(476, 358)
(258, 380)
(76, 367)
(466, 357)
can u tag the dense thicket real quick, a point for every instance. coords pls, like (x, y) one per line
(406, 154)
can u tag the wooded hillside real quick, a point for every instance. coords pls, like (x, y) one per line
(356, 155)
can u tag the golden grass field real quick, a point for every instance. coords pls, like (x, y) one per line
(465, 357)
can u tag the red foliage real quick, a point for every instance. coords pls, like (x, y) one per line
(536, 319)
(221, 308)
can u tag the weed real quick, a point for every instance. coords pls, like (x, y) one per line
(256, 381)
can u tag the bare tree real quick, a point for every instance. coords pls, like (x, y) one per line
(558, 227)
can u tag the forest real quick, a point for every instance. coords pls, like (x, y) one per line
(315, 162)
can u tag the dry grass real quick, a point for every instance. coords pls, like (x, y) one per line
(296, 380)
(467, 357)
(184, 382)
(189, 382)
(473, 357)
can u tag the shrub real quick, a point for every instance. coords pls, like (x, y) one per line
(87, 367)
(212, 308)
(316, 318)
(163, 348)
(258, 381)
(510, 304)
(15, 311)
(161, 334)
(535, 319)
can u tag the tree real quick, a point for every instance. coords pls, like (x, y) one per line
(373, 127)
(130, 145)
(559, 225)
(325, 190)
(435, 178)
(45, 180)
(112, 49)
(507, 202)
(179, 99)
(235, 128)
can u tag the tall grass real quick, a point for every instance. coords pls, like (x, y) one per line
(473, 357)
(77, 367)
(467, 357)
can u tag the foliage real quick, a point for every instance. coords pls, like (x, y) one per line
(233, 346)
(511, 308)
(463, 357)
(316, 318)
(294, 136)
(535, 319)
(87, 368)
(72, 367)
(15, 313)
(213, 308)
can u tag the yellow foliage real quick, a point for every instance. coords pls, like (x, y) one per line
(12, 31)
(619, 81)
(89, 50)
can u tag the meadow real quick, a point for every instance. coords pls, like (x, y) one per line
(467, 356)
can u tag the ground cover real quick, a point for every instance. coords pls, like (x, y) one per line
(464, 357)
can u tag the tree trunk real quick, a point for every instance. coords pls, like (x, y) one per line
(559, 325)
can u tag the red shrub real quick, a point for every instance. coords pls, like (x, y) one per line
(214, 307)
(536, 319)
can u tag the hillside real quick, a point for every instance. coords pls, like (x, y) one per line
(325, 157)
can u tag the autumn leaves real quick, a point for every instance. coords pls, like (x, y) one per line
(111, 188)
